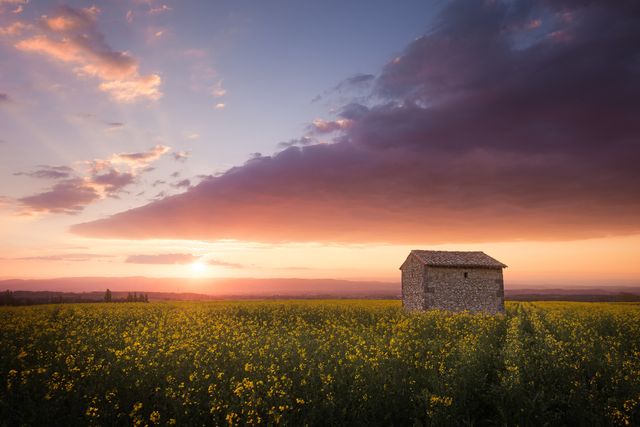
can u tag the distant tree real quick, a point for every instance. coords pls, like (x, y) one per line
(146, 297)
(135, 297)
(7, 298)
(129, 297)
(107, 296)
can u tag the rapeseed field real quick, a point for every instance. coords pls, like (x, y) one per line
(318, 363)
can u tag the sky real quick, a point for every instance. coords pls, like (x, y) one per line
(319, 139)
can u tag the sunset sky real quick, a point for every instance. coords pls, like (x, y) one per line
(319, 139)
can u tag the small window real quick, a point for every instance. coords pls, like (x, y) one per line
(466, 274)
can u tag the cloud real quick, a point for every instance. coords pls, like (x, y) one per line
(220, 105)
(4, 98)
(159, 9)
(191, 135)
(65, 257)
(140, 159)
(185, 183)
(131, 90)
(113, 180)
(486, 129)
(219, 263)
(69, 196)
(114, 125)
(319, 126)
(357, 80)
(181, 156)
(217, 90)
(90, 118)
(305, 140)
(49, 172)
(14, 29)
(71, 36)
(103, 178)
(162, 259)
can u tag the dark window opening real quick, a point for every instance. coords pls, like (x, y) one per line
(466, 274)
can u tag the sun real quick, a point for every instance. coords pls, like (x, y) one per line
(198, 268)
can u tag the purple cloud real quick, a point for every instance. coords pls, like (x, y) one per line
(69, 196)
(104, 178)
(508, 120)
(49, 172)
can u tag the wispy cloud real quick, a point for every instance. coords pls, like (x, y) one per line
(301, 142)
(140, 159)
(154, 10)
(191, 135)
(113, 126)
(162, 259)
(319, 126)
(71, 36)
(185, 183)
(49, 172)
(14, 29)
(217, 90)
(181, 156)
(65, 257)
(218, 263)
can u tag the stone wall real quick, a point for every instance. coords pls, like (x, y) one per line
(413, 297)
(447, 288)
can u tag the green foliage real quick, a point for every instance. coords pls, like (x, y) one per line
(319, 363)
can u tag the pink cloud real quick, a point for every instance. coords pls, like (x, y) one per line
(14, 29)
(71, 36)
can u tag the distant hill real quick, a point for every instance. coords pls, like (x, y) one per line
(188, 289)
(88, 289)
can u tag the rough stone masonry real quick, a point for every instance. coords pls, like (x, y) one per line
(455, 281)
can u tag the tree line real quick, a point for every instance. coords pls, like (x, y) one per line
(18, 298)
(131, 297)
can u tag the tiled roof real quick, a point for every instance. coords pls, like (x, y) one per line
(456, 259)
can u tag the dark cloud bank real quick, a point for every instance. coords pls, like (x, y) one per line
(509, 120)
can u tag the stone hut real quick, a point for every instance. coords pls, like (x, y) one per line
(453, 281)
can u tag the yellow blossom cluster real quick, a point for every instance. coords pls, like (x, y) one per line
(347, 362)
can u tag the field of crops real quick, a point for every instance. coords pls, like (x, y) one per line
(318, 363)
